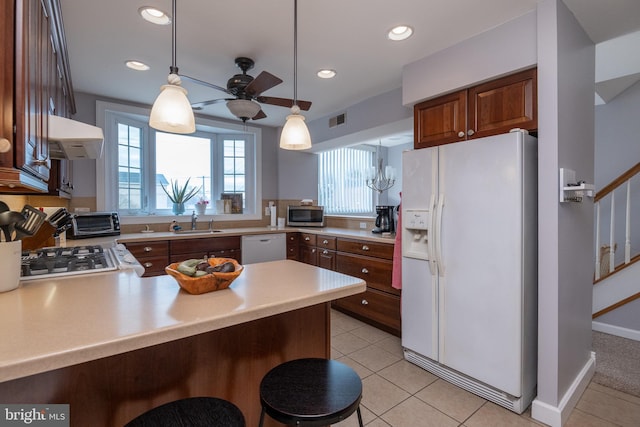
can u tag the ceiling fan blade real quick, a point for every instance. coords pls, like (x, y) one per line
(203, 83)
(260, 115)
(201, 105)
(284, 102)
(264, 81)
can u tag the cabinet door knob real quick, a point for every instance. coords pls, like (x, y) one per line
(307, 238)
(147, 249)
(460, 134)
(470, 132)
(365, 302)
(313, 251)
(325, 252)
(148, 264)
(365, 271)
(325, 241)
(365, 247)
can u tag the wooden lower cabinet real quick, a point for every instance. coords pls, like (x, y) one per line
(153, 256)
(210, 247)
(375, 307)
(293, 246)
(372, 262)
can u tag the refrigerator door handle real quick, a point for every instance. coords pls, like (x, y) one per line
(438, 235)
(431, 238)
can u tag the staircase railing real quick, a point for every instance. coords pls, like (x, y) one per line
(605, 254)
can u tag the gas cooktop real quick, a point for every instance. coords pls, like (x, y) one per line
(58, 261)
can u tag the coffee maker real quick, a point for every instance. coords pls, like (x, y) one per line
(384, 220)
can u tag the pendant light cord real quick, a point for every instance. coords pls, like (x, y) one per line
(173, 69)
(295, 52)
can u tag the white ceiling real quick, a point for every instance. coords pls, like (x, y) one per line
(348, 36)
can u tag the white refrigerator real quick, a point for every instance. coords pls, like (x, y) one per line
(469, 265)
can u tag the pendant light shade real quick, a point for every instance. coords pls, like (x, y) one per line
(171, 111)
(295, 134)
(243, 109)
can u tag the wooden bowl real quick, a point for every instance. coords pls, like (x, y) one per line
(207, 283)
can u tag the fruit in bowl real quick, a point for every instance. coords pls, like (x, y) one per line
(198, 276)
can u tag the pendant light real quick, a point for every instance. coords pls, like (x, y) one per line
(171, 111)
(295, 135)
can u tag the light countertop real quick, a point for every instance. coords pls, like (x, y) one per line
(53, 323)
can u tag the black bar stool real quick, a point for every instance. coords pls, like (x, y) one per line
(191, 412)
(310, 392)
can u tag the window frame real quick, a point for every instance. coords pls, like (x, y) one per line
(107, 168)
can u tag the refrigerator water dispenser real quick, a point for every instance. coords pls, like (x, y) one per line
(415, 230)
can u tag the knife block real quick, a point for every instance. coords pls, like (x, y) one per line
(41, 239)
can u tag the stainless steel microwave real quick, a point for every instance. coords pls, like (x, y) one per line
(94, 224)
(305, 216)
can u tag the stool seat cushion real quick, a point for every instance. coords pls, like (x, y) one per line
(310, 392)
(192, 412)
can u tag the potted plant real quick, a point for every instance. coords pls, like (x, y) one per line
(179, 195)
(201, 205)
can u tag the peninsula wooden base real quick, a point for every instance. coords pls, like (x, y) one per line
(227, 363)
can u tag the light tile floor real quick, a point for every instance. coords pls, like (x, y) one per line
(399, 394)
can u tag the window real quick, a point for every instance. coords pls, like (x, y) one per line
(341, 179)
(221, 162)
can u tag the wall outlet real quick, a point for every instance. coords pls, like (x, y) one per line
(363, 225)
(267, 211)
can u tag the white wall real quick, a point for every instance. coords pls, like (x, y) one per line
(566, 76)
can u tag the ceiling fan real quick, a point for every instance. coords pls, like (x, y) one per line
(247, 93)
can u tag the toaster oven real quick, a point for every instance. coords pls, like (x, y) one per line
(94, 224)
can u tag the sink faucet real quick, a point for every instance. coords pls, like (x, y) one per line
(194, 218)
(210, 225)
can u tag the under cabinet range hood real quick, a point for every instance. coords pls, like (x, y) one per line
(74, 140)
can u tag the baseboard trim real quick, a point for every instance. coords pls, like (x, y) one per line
(616, 330)
(557, 416)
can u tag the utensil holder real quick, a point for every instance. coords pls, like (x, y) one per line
(10, 265)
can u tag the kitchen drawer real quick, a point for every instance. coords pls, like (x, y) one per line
(324, 242)
(222, 253)
(227, 253)
(154, 265)
(327, 259)
(309, 254)
(377, 308)
(148, 249)
(376, 272)
(206, 245)
(293, 252)
(308, 239)
(378, 250)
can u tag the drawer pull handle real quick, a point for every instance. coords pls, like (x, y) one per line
(325, 252)
(147, 249)
(325, 241)
(148, 264)
(307, 238)
(365, 302)
(365, 247)
(365, 271)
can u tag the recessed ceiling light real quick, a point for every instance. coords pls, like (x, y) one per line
(136, 65)
(401, 32)
(326, 73)
(153, 15)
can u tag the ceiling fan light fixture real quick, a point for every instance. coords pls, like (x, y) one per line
(326, 73)
(400, 32)
(171, 111)
(295, 134)
(153, 15)
(243, 109)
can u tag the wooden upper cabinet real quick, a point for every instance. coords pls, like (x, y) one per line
(487, 109)
(500, 105)
(440, 121)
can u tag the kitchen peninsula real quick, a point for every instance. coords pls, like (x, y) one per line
(113, 345)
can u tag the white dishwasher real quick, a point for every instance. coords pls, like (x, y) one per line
(264, 247)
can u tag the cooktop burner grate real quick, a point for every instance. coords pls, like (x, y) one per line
(58, 261)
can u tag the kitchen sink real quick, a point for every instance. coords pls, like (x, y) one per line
(197, 231)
